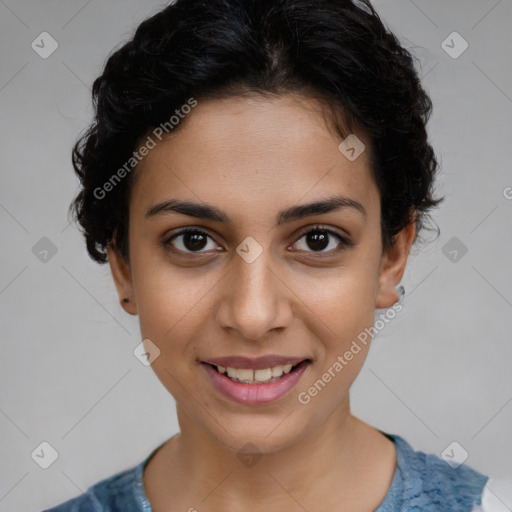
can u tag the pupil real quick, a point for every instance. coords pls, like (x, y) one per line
(317, 240)
(194, 240)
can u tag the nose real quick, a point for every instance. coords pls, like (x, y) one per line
(255, 299)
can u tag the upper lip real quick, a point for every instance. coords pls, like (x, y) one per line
(255, 363)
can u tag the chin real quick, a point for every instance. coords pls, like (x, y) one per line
(261, 435)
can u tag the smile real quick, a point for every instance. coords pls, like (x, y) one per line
(255, 386)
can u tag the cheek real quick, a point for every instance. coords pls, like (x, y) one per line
(340, 313)
(172, 304)
(170, 312)
(341, 304)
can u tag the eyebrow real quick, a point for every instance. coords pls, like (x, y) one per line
(209, 212)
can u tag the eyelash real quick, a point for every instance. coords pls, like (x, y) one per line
(345, 242)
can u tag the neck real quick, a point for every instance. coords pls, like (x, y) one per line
(334, 458)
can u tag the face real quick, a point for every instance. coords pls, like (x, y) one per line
(256, 282)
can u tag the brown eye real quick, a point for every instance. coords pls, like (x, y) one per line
(189, 241)
(319, 239)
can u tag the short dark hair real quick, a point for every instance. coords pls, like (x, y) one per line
(337, 51)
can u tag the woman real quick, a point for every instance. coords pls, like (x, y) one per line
(256, 175)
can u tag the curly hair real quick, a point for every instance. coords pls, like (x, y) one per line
(338, 51)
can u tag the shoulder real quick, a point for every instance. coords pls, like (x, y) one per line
(431, 483)
(117, 493)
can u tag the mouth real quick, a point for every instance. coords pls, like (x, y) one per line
(253, 386)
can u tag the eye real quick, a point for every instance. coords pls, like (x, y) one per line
(194, 240)
(319, 239)
(190, 240)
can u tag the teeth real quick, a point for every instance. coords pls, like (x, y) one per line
(248, 375)
(245, 374)
(263, 375)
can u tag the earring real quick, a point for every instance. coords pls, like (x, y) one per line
(401, 294)
(126, 299)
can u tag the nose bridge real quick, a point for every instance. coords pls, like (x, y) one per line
(255, 300)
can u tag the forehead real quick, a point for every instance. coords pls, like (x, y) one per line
(255, 151)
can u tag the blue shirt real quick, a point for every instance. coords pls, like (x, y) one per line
(421, 483)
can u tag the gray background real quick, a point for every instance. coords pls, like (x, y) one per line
(438, 373)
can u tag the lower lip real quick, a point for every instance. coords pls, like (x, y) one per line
(254, 394)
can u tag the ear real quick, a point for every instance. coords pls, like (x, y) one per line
(392, 266)
(121, 274)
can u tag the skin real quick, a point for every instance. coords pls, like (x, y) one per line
(251, 158)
